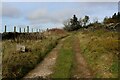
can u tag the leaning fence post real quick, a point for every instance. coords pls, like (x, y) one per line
(14, 29)
(28, 29)
(5, 28)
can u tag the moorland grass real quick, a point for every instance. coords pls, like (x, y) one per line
(100, 49)
(17, 64)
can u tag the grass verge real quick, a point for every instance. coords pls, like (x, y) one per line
(100, 48)
(64, 61)
(17, 64)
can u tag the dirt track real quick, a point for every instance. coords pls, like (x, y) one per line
(81, 69)
(44, 69)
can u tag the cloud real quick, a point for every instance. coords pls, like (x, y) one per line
(45, 16)
(40, 16)
(61, 14)
(36, 14)
(53, 14)
(11, 12)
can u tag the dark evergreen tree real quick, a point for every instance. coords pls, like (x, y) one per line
(114, 16)
(73, 24)
(85, 20)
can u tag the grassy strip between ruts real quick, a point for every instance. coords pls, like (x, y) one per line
(64, 61)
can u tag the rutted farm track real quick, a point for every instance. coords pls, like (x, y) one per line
(80, 55)
(81, 69)
(45, 69)
(75, 55)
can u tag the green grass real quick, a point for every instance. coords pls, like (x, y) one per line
(100, 48)
(64, 61)
(17, 64)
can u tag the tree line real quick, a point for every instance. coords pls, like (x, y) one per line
(75, 24)
(114, 19)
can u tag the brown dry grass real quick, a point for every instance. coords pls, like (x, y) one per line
(17, 64)
(100, 48)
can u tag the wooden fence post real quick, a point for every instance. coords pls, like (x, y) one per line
(5, 28)
(20, 29)
(36, 30)
(32, 30)
(24, 30)
(14, 29)
(28, 29)
(14, 32)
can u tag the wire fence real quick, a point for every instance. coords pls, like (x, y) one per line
(23, 34)
(26, 29)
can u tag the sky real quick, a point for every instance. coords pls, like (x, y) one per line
(59, 0)
(42, 15)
